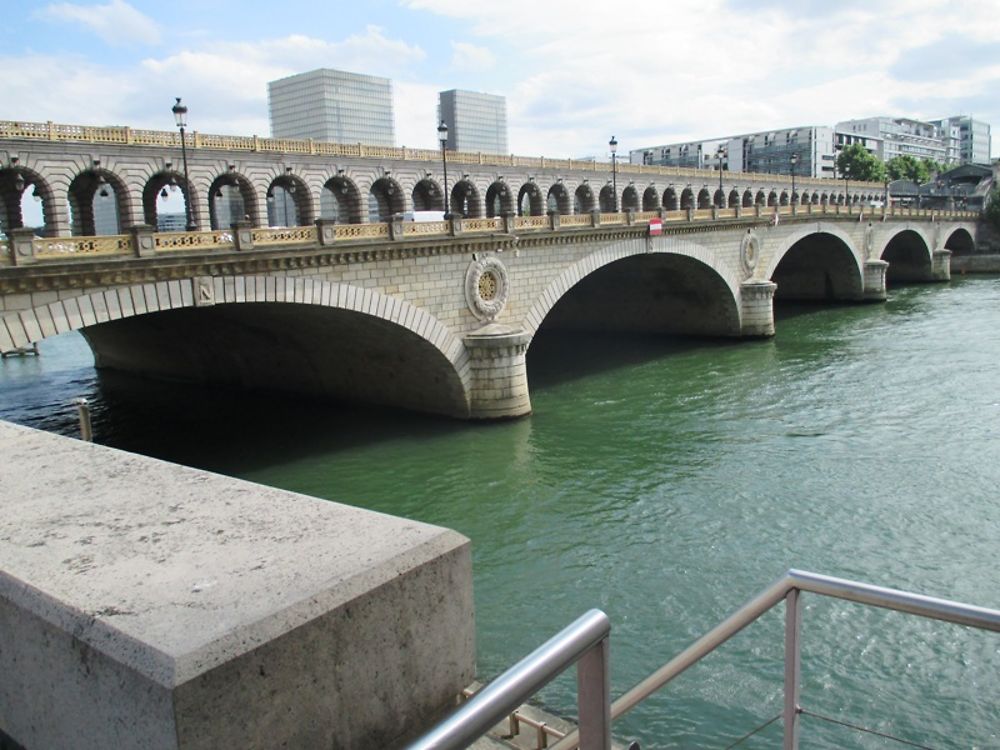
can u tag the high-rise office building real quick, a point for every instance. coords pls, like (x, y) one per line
(334, 106)
(901, 136)
(972, 139)
(476, 122)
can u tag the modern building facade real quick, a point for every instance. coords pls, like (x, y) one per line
(476, 121)
(971, 139)
(765, 152)
(333, 106)
(901, 136)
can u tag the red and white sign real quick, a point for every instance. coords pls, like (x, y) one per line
(655, 226)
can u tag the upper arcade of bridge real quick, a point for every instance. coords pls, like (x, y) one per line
(67, 167)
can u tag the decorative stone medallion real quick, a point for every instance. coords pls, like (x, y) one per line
(486, 287)
(749, 252)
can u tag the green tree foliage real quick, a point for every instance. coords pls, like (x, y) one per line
(855, 163)
(908, 168)
(993, 207)
(934, 168)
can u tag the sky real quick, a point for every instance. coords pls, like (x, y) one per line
(574, 73)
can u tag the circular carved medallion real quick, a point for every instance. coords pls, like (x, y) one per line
(486, 287)
(749, 252)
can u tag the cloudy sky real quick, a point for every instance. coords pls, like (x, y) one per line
(574, 73)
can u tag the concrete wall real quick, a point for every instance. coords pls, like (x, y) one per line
(147, 605)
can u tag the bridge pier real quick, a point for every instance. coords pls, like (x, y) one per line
(757, 308)
(874, 289)
(498, 386)
(941, 265)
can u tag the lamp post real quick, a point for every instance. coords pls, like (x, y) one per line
(793, 160)
(721, 154)
(885, 195)
(443, 138)
(180, 115)
(613, 145)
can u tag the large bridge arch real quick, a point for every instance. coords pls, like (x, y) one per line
(908, 251)
(267, 332)
(817, 263)
(678, 288)
(960, 242)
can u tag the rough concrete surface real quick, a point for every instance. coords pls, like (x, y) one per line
(149, 605)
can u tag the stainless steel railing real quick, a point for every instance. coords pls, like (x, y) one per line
(788, 588)
(584, 642)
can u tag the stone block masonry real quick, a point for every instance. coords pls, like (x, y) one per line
(147, 605)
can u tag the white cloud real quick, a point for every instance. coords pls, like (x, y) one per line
(470, 58)
(117, 23)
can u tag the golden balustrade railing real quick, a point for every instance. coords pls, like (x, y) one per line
(66, 248)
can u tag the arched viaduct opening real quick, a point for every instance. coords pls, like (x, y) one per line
(960, 242)
(819, 267)
(300, 348)
(661, 293)
(909, 259)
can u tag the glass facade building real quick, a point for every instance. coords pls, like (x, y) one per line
(972, 138)
(476, 122)
(333, 106)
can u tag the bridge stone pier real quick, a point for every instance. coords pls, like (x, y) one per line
(439, 316)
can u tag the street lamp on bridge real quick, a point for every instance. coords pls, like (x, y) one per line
(180, 115)
(613, 145)
(793, 160)
(443, 138)
(721, 154)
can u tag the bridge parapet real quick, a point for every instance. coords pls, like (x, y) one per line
(69, 249)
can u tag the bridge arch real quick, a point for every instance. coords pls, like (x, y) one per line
(687, 198)
(465, 199)
(427, 196)
(95, 186)
(719, 198)
(747, 201)
(630, 199)
(499, 200)
(231, 198)
(300, 334)
(704, 198)
(908, 253)
(650, 199)
(558, 199)
(761, 198)
(340, 201)
(960, 242)
(159, 186)
(784, 198)
(608, 199)
(670, 200)
(529, 200)
(583, 199)
(678, 288)
(385, 199)
(289, 202)
(734, 198)
(15, 182)
(817, 263)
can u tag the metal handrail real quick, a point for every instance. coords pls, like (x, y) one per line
(584, 642)
(787, 588)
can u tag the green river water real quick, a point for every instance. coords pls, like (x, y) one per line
(666, 482)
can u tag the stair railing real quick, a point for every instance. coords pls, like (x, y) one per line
(584, 642)
(788, 588)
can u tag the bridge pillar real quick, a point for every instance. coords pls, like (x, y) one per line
(875, 280)
(941, 265)
(498, 374)
(243, 235)
(757, 308)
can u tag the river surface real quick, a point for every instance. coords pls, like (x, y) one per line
(666, 483)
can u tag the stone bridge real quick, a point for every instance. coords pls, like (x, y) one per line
(69, 169)
(438, 316)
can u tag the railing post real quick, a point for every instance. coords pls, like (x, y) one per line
(793, 668)
(593, 685)
(83, 411)
(21, 242)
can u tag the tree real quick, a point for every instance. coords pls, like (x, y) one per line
(855, 163)
(934, 168)
(992, 210)
(907, 168)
